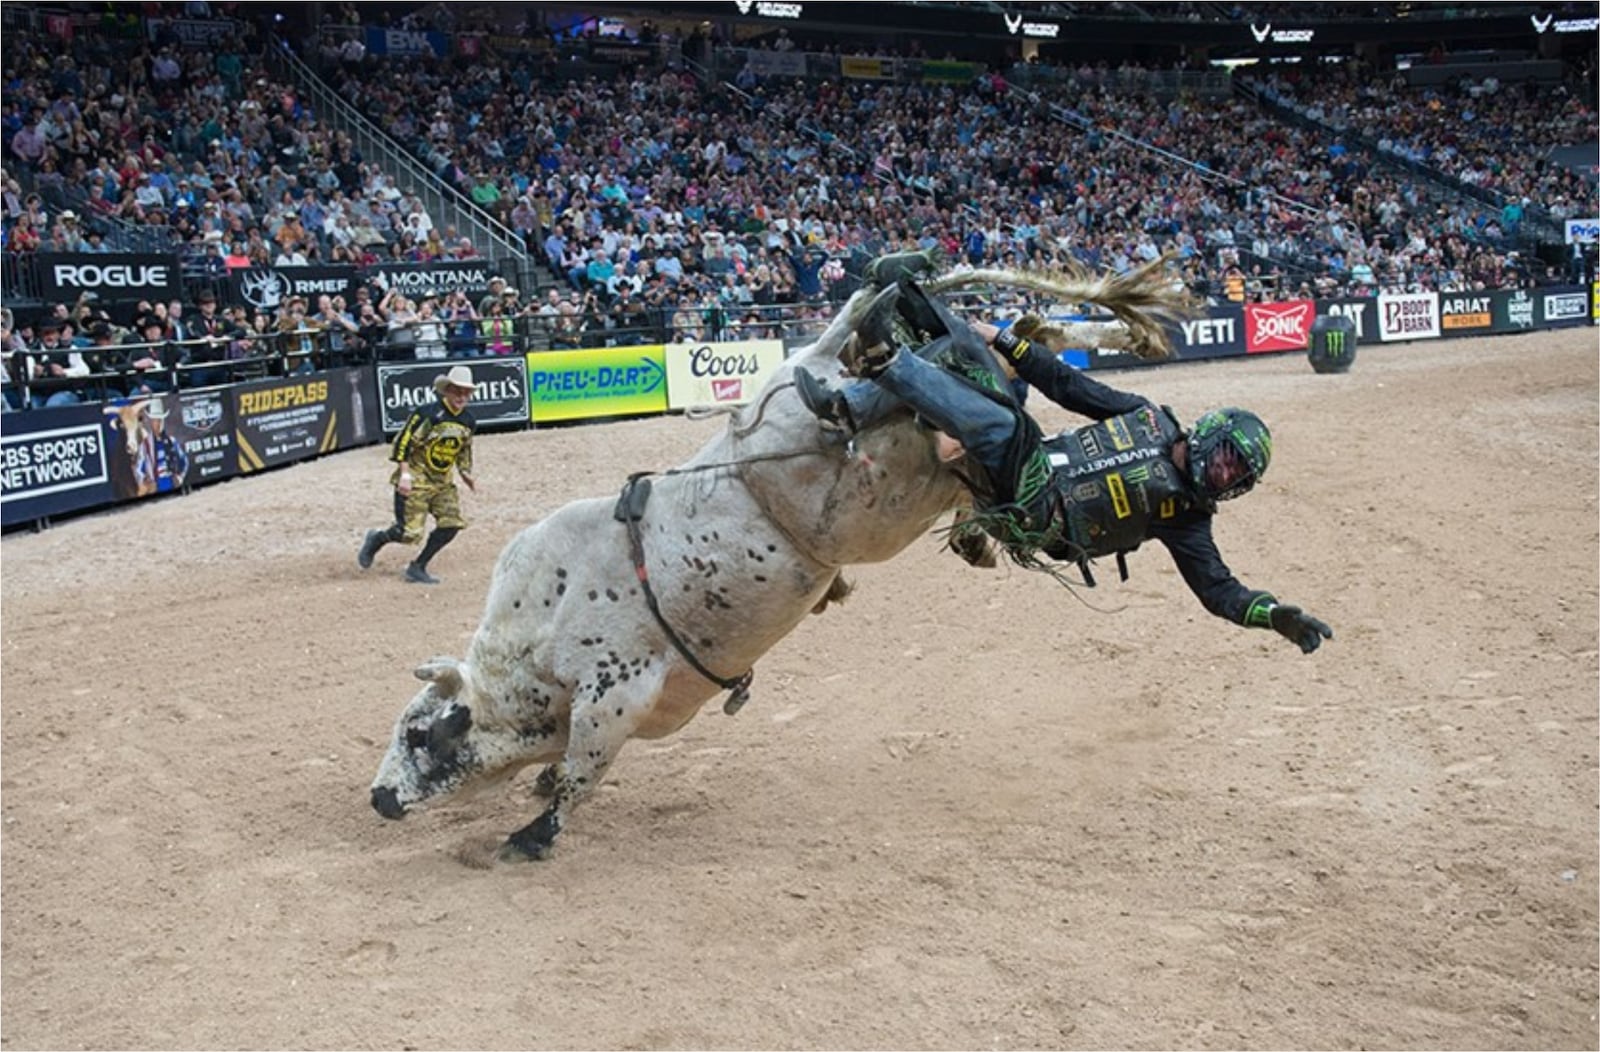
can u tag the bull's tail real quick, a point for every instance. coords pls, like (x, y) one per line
(1144, 299)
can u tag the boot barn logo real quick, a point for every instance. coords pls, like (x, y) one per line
(1410, 316)
(1278, 326)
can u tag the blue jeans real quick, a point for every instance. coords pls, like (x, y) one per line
(984, 427)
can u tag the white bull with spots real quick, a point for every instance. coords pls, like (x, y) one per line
(737, 546)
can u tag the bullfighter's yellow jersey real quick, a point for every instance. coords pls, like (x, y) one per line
(433, 441)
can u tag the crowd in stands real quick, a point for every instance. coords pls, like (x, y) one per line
(668, 208)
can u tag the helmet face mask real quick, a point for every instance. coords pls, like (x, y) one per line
(1229, 434)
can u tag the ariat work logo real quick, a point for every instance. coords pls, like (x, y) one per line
(1465, 312)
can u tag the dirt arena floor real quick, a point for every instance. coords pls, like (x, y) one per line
(967, 810)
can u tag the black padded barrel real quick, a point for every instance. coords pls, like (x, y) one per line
(1333, 344)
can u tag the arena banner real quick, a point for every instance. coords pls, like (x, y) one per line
(1514, 311)
(775, 63)
(501, 397)
(265, 288)
(861, 68)
(116, 277)
(607, 381)
(1465, 313)
(1220, 334)
(406, 43)
(1594, 303)
(1563, 306)
(1583, 231)
(202, 425)
(1408, 316)
(146, 455)
(53, 461)
(416, 280)
(719, 373)
(280, 421)
(1270, 327)
(1361, 310)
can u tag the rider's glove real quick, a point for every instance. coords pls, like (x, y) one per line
(1299, 627)
(1013, 347)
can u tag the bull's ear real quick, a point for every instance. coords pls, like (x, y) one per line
(444, 673)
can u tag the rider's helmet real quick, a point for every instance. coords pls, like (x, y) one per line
(1229, 450)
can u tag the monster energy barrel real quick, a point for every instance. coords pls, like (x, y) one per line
(1333, 344)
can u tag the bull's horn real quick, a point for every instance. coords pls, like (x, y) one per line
(443, 672)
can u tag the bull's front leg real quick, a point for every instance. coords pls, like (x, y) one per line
(605, 714)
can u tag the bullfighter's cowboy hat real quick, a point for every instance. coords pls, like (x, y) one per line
(458, 376)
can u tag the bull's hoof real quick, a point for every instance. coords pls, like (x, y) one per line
(387, 803)
(514, 851)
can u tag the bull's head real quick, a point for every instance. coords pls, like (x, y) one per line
(433, 752)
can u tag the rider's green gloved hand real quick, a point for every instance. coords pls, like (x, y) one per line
(1299, 627)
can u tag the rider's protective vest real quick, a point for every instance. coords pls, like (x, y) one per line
(1114, 479)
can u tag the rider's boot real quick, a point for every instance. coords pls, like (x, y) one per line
(879, 335)
(827, 406)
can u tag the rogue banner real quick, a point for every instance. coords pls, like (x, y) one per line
(116, 277)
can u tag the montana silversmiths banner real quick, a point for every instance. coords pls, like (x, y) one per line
(1408, 316)
(501, 396)
(1514, 311)
(720, 373)
(53, 461)
(416, 280)
(608, 381)
(116, 277)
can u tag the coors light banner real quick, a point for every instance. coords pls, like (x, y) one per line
(116, 277)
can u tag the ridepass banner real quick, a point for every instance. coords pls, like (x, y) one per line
(719, 373)
(53, 461)
(280, 421)
(608, 381)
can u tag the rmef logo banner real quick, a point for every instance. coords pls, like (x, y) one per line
(1282, 326)
(1408, 316)
(501, 396)
(113, 276)
(609, 381)
(719, 373)
(53, 461)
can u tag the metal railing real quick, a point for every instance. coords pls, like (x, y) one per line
(447, 205)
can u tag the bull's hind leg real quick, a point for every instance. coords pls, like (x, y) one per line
(605, 714)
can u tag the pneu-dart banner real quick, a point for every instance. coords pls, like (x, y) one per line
(501, 396)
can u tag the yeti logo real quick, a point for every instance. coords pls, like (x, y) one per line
(263, 289)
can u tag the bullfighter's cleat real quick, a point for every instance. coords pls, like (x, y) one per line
(419, 575)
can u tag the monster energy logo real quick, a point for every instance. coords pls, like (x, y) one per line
(1333, 343)
(1034, 475)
